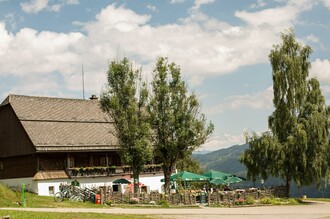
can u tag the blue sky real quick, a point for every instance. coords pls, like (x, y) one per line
(221, 46)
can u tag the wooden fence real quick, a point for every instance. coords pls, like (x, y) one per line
(188, 198)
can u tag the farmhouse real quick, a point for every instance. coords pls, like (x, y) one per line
(47, 141)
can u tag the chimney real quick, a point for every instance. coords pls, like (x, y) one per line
(93, 97)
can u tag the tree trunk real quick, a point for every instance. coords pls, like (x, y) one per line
(287, 185)
(136, 180)
(167, 179)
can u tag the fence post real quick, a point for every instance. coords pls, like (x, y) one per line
(102, 196)
(23, 195)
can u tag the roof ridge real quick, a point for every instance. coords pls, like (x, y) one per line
(43, 97)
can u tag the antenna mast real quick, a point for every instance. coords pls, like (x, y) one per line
(83, 80)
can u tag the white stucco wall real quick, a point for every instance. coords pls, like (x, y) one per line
(153, 181)
(42, 187)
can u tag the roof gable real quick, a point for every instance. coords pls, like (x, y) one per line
(14, 139)
(59, 124)
(56, 109)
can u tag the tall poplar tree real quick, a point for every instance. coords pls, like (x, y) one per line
(296, 148)
(178, 126)
(125, 101)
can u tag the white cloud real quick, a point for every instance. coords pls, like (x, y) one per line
(326, 92)
(35, 86)
(119, 19)
(199, 3)
(222, 141)
(10, 19)
(201, 45)
(327, 3)
(152, 8)
(321, 70)
(312, 38)
(31, 54)
(55, 8)
(258, 4)
(72, 2)
(177, 1)
(34, 6)
(280, 18)
(260, 100)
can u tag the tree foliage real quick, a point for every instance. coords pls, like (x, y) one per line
(188, 163)
(296, 148)
(259, 156)
(178, 126)
(125, 101)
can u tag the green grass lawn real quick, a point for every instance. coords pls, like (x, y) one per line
(54, 215)
(36, 201)
(9, 198)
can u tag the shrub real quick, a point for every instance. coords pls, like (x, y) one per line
(239, 201)
(134, 201)
(249, 200)
(164, 203)
(266, 201)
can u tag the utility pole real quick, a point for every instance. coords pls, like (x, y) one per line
(83, 80)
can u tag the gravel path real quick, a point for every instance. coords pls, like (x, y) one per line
(309, 211)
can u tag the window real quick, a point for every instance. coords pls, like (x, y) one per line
(99, 160)
(115, 188)
(51, 190)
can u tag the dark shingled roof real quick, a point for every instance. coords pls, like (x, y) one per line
(59, 124)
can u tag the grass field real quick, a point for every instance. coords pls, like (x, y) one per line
(54, 215)
(9, 198)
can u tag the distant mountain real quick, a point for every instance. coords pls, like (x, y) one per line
(227, 160)
(202, 152)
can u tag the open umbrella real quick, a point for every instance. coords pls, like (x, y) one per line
(218, 181)
(187, 176)
(234, 179)
(121, 181)
(222, 178)
(216, 174)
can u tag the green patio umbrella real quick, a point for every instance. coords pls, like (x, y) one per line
(227, 180)
(216, 174)
(121, 181)
(234, 179)
(218, 182)
(222, 178)
(187, 176)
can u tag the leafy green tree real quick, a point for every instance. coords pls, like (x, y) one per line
(178, 126)
(296, 148)
(259, 156)
(188, 163)
(125, 102)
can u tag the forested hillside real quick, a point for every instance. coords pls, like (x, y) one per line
(227, 160)
(224, 160)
